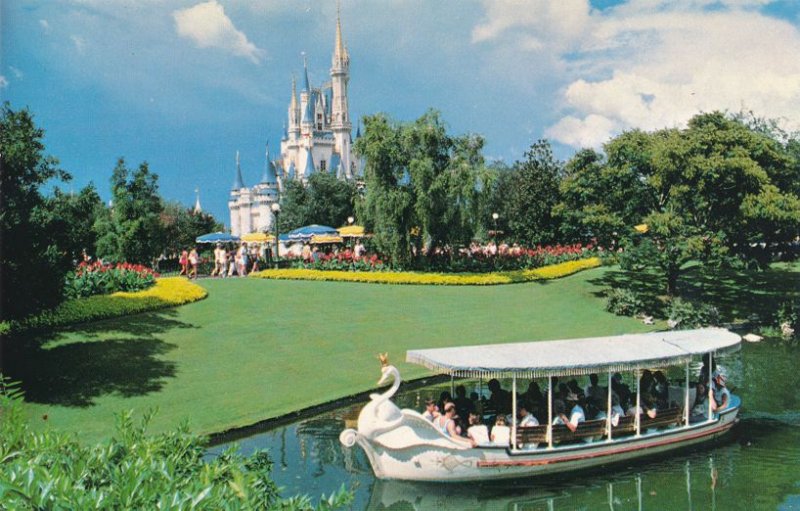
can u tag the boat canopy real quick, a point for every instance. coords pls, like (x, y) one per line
(577, 356)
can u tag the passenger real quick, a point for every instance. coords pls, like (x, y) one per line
(576, 414)
(444, 398)
(447, 423)
(477, 432)
(616, 411)
(533, 396)
(500, 399)
(661, 390)
(699, 411)
(464, 405)
(722, 396)
(431, 410)
(501, 434)
(593, 391)
(525, 418)
(621, 389)
(704, 371)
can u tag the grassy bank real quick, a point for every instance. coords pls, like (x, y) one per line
(257, 348)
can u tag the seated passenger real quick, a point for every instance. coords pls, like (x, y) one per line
(464, 405)
(431, 410)
(501, 434)
(526, 419)
(621, 389)
(576, 414)
(616, 411)
(661, 391)
(500, 398)
(477, 432)
(447, 424)
(699, 411)
(722, 396)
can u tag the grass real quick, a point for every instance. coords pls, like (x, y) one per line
(256, 349)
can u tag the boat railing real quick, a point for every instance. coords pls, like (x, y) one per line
(596, 429)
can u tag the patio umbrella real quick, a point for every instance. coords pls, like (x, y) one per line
(258, 237)
(351, 231)
(217, 237)
(319, 239)
(305, 233)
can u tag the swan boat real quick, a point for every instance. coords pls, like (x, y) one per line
(404, 445)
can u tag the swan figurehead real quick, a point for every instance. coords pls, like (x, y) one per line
(380, 413)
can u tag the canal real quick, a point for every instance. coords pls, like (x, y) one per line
(757, 467)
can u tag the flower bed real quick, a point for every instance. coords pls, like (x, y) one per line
(103, 279)
(458, 279)
(167, 292)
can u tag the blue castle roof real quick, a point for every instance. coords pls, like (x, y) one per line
(309, 166)
(290, 172)
(269, 176)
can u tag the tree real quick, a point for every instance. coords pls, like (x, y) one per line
(421, 185)
(132, 231)
(32, 266)
(713, 193)
(182, 226)
(525, 196)
(71, 218)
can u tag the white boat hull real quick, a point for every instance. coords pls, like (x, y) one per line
(413, 453)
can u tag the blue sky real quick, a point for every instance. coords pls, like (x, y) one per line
(185, 84)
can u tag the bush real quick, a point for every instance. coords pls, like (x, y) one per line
(788, 318)
(103, 279)
(419, 278)
(624, 302)
(685, 314)
(133, 470)
(168, 292)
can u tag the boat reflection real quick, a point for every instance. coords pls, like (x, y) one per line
(628, 492)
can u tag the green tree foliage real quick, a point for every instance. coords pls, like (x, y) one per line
(325, 200)
(133, 470)
(32, 266)
(422, 185)
(525, 195)
(71, 218)
(714, 191)
(182, 226)
(600, 201)
(132, 230)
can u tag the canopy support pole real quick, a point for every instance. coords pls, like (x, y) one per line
(608, 412)
(638, 403)
(452, 386)
(686, 398)
(514, 412)
(549, 412)
(710, 383)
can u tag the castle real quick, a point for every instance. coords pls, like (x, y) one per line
(317, 138)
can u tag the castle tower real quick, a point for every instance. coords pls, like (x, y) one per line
(340, 116)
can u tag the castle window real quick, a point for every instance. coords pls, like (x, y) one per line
(322, 165)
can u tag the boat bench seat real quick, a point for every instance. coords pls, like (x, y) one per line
(561, 433)
(664, 418)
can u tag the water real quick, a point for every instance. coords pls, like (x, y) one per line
(758, 467)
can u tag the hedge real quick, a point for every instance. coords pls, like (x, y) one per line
(167, 292)
(442, 279)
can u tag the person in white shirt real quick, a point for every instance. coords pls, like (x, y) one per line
(477, 432)
(576, 414)
(501, 434)
(431, 410)
(526, 419)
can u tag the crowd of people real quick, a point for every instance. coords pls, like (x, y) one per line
(478, 420)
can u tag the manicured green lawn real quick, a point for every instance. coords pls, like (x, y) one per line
(256, 349)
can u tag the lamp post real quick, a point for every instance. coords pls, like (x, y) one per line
(350, 221)
(276, 209)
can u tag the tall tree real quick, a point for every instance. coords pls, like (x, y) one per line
(183, 225)
(525, 196)
(421, 185)
(71, 218)
(32, 266)
(133, 231)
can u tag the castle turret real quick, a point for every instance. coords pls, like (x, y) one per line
(340, 117)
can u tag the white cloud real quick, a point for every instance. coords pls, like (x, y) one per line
(655, 63)
(79, 43)
(208, 26)
(18, 74)
(543, 23)
(45, 25)
(3, 82)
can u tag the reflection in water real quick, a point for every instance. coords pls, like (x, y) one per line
(757, 468)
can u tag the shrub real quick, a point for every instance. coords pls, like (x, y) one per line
(132, 470)
(419, 278)
(624, 302)
(685, 314)
(102, 279)
(788, 318)
(168, 292)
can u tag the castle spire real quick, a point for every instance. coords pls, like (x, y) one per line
(306, 86)
(340, 52)
(238, 184)
(197, 208)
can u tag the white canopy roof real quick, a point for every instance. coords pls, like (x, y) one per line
(576, 356)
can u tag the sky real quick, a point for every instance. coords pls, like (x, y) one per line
(184, 84)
